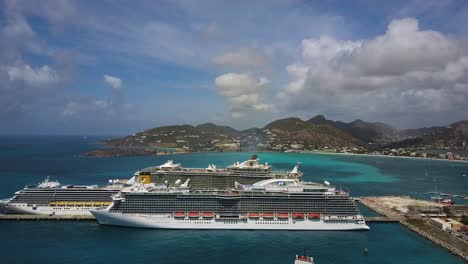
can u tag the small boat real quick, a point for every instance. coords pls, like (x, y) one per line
(194, 214)
(283, 216)
(179, 214)
(268, 215)
(208, 215)
(314, 215)
(253, 215)
(298, 215)
(303, 259)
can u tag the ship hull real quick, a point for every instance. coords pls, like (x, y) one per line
(14, 208)
(167, 221)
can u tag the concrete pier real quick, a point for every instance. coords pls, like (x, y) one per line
(393, 207)
(381, 219)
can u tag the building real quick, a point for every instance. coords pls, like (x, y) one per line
(446, 224)
(457, 210)
(426, 210)
(440, 223)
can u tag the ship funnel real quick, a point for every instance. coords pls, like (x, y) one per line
(295, 170)
(185, 184)
(238, 185)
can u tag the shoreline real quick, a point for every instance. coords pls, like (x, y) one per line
(113, 153)
(378, 156)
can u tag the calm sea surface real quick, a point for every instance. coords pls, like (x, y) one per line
(29, 159)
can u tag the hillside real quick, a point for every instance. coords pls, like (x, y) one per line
(294, 134)
(364, 131)
(307, 134)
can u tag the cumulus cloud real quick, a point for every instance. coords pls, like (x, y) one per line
(243, 58)
(35, 77)
(114, 82)
(406, 70)
(244, 92)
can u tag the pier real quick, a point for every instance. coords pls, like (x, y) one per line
(25, 217)
(396, 209)
(381, 219)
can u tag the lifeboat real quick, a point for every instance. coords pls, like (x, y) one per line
(208, 215)
(283, 216)
(79, 203)
(89, 203)
(314, 215)
(106, 203)
(298, 215)
(193, 214)
(70, 203)
(52, 203)
(97, 203)
(179, 214)
(253, 215)
(61, 203)
(268, 215)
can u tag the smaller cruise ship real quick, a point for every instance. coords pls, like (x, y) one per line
(52, 198)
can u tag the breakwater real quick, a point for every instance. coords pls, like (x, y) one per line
(417, 225)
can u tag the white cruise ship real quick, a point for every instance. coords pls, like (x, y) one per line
(272, 204)
(53, 198)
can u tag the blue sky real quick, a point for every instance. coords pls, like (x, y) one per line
(117, 67)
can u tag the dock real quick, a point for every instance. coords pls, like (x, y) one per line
(381, 219)
(25, 217)
(395, 208)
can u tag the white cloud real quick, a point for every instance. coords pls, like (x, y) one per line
(35, 77)
(114, 82)
(102, 108)
(404, 70)
(243, 58)
(244, 92)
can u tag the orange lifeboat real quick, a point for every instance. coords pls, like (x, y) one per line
(179, 214)
(208, 215)
(253, 215)
(283, 216)
(314, 215)
(268, 215)
(298, 215)
(194, 214)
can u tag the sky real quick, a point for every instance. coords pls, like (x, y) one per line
(118, 67)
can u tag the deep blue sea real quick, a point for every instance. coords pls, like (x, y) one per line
(29, 159)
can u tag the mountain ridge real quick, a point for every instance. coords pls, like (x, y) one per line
(293, 133)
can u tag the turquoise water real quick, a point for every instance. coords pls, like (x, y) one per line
(26, 160)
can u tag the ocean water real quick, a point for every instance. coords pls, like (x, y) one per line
(29, 159)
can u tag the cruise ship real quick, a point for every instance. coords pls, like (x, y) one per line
(272, 204)
(247, 172)
(52, 198)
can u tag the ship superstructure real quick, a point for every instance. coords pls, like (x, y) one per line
(283, 204)
(247, 172)
(53, 198)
